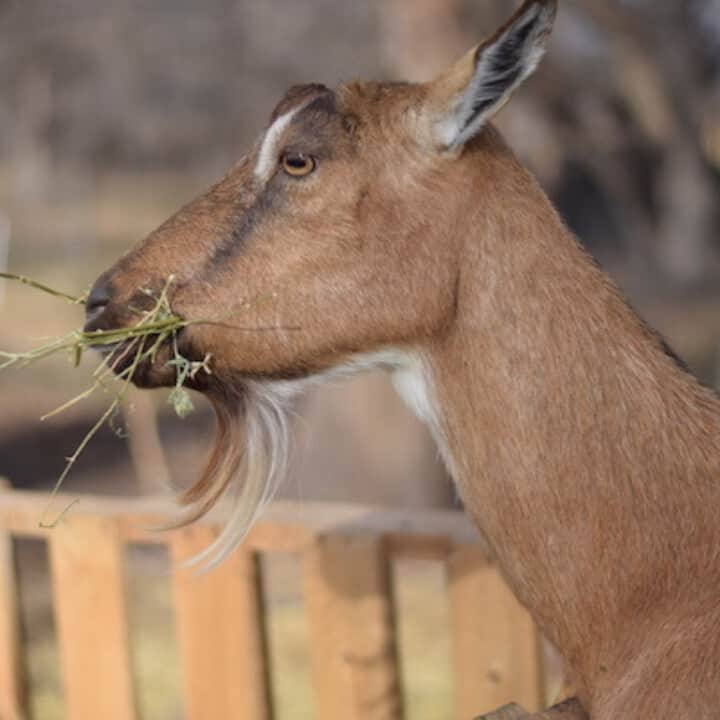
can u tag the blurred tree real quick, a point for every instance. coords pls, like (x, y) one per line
(420, 37)
(664, 67)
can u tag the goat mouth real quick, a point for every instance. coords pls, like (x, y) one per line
(140, 360)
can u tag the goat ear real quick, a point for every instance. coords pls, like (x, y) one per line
(465, 97)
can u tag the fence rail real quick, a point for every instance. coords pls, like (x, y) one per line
(346, 554)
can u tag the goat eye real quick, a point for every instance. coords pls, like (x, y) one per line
(297, 164)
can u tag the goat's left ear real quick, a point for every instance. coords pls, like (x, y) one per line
(465, 97)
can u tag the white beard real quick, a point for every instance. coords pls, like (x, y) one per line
(250, 459)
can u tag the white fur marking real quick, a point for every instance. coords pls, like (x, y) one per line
(267, 157)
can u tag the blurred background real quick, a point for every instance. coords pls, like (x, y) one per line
(113, 114)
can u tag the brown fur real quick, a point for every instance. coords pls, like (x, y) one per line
(588, 458)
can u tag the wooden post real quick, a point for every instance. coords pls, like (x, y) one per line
(220, 629)
(87, 573)
(569, 710)
(11, 667)
(353, 649)
(495, 645)
(509, 712)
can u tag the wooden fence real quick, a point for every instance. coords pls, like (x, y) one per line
(346, 554)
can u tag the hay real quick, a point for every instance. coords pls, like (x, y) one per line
(156, 328)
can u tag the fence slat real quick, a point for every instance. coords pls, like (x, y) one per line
(495, 646)
(286, 526)
(87, 572)
(11, 667)
(348, 600)
(347, 591)
(220, 632)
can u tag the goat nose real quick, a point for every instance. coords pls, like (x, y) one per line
(97, 301)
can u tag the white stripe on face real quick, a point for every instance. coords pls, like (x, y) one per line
(267, 157)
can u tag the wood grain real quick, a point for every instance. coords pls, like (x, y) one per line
(87, 574)
(220, 632)
(353, 645)
(495, 647)
(11, 666)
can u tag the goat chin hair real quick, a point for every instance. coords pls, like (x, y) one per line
(247, 463)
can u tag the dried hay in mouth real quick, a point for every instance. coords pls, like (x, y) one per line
(138, 342)
(249, 454)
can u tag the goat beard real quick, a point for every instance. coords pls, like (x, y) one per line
(248, 461)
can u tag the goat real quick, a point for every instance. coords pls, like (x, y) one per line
(387, 225)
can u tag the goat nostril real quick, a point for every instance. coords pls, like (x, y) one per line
(97, 300)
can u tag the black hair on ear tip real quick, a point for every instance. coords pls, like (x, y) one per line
(501, 64)
(505, 65)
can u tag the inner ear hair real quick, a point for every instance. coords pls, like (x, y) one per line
(501, 64)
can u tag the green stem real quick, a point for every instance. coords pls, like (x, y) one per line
(39, 286)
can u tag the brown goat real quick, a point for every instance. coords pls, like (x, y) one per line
(388, 225)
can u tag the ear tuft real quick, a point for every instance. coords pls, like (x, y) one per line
(492, 72)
